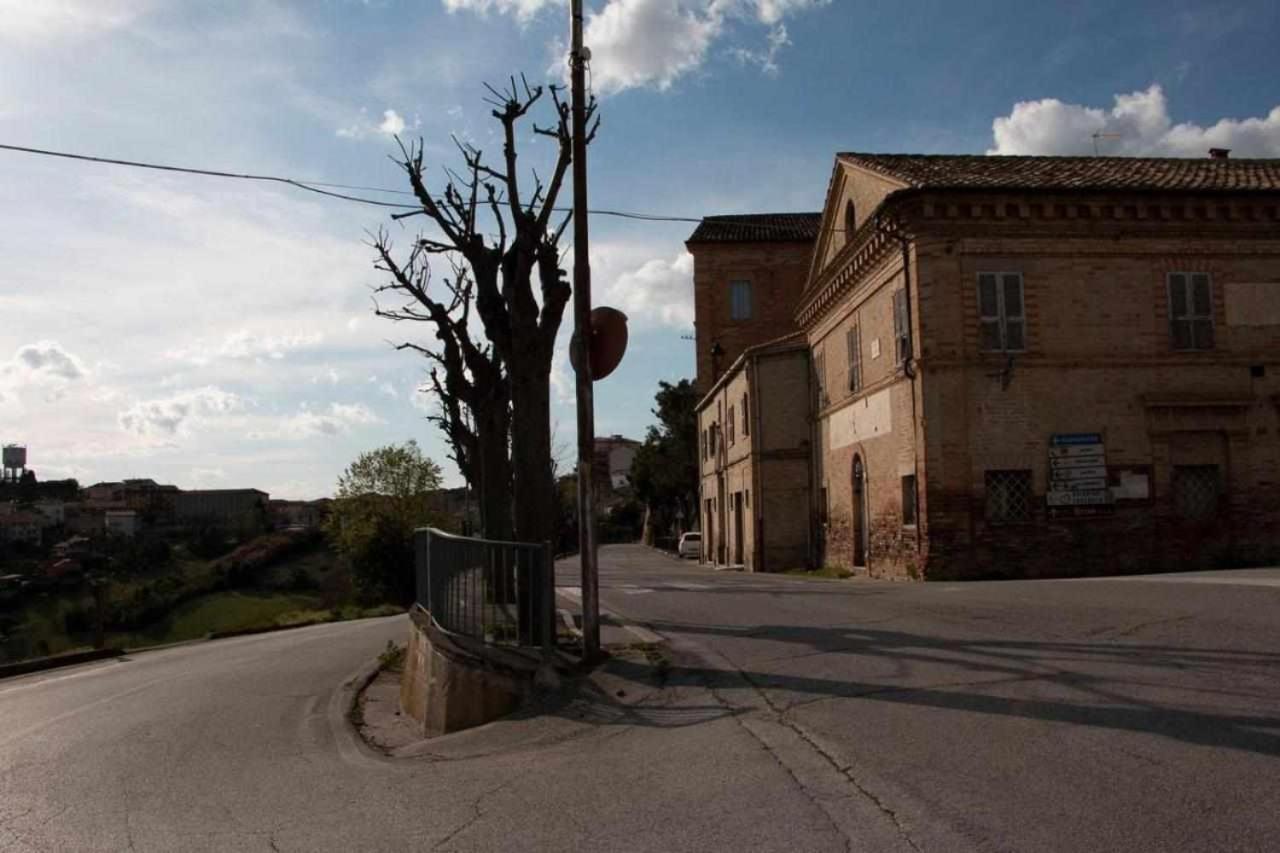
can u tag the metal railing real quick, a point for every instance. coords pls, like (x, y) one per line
(500, 593)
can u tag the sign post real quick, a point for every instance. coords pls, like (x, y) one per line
(1077, 470)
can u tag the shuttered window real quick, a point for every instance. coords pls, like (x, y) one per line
(746, 415)
(1002, 311)
(901, 327)
(740, 300)
(1190, 311)
(853, 340)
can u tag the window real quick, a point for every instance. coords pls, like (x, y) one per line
(909, 499)
(850, 220)
(1197, 490)
(732, 436)
(740, 300)
(1000, 306)
(712, 439)
(702, 441)
(901, 327)
(853, 340)
(1190, 311)
(1008, 496)
(746, 415)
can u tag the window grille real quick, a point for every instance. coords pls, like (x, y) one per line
(1008, 496)
(1197, 489)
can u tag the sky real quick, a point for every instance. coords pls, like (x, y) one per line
(216, 334)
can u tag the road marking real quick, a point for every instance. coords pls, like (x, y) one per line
(644, 635)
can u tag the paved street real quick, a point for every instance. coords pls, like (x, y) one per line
(797, 714)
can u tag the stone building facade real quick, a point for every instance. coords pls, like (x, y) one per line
(1036, 366)
(748, 274)
(754, 461)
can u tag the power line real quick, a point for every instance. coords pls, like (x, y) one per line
(317, 187)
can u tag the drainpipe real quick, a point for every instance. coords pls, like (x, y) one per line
(757, 464)
(909, 368)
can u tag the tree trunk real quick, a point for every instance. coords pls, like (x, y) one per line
(493, 464)
(534, 490)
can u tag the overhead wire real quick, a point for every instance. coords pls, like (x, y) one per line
(319, 187)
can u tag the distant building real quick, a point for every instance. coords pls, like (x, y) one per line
(120, 522)
(304, 514)
(103, 492)
(21, 527)
(614, 455)
(54, 512)
(224, 507)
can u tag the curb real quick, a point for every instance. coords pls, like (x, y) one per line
(8, 670)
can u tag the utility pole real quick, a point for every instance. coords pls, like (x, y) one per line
(582, 340)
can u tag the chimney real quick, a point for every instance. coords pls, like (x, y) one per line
(1219, 153)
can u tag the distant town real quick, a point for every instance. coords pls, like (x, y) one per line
(51, 529)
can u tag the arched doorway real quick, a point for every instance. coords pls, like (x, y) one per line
(859, 512)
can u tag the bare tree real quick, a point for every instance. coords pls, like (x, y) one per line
(520, 289)
(467, 377)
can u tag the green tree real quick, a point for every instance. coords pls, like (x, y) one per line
(665, 471)
(382, 498)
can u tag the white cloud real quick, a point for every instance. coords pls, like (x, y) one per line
(44, 367)
(521, 9)
(638, 43)
(41, 20)
(767, 59)
(648, 42)
(175, 415)
(392, 123)
(1137, 124)
(47, 359)
(657, 293)
(338, 418)
(243, 344)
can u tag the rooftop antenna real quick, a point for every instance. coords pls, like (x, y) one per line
(1101, 135)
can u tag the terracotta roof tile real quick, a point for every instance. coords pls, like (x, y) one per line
(969, 171)
(758, 227)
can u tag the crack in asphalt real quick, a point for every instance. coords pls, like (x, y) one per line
(846, 771)
(471, 821)
(808, 795)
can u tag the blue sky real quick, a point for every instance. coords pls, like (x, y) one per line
(214, 333)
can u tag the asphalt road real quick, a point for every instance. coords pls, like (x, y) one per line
(797, 714)
(1140, 713)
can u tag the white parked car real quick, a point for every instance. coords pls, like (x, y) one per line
(690, 545)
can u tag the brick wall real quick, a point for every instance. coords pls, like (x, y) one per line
(1099, 359)
(777, 274)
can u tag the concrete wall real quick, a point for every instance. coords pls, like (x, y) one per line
(449, 685)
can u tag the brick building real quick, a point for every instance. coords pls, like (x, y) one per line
(754, 461)
(748, 274)
(237, 508)
(1032, 366)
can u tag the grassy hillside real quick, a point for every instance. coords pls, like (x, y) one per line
(279, 579)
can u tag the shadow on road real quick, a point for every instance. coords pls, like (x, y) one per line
(992, 663)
